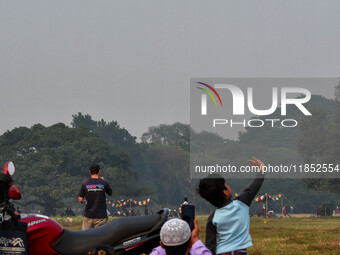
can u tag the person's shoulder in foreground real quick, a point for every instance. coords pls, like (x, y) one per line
(177, 239)
(229, 212)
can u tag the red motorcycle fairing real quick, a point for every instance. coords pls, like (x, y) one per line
(42, 232)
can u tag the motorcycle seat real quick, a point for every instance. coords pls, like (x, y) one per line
(80, 242)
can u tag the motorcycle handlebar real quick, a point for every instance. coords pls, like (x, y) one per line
(9, 208)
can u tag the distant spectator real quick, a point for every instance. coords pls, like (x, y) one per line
(263, 210)
(184, 203)
(287, 210)
(319, 211)
(271, 213)
(69, 212)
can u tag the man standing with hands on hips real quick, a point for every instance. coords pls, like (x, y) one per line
(93, 190)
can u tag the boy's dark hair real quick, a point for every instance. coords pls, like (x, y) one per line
(211, 189)
(94, 169)
(177, 250)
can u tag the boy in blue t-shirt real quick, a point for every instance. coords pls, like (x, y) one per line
(229, 223)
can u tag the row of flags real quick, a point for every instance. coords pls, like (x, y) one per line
(129, 202)
(267, 196)
(263, 197)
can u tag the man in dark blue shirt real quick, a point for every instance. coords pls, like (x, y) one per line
(93, 190)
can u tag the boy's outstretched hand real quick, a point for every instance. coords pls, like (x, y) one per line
(256, 162)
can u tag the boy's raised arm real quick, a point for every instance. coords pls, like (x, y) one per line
(249, 193)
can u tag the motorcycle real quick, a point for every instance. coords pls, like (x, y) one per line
(127, 235)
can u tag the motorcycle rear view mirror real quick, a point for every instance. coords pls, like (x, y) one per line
(9, 168)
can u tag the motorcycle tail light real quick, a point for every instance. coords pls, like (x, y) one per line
(133, 246)
(14, 193)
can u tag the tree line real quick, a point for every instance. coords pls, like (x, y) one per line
(53, 161)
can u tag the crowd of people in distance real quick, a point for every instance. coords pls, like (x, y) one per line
(123, 212)
(286, 211)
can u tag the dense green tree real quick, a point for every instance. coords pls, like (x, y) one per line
(170, 166)
(175, 134)
(53, 161)
(313, 132)
(120, 139)
(283, 137)
(111, 132)
(206, 141)
(319, 142)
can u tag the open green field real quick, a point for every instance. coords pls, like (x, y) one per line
(294, 235)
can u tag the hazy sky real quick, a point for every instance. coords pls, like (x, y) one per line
(132, 61)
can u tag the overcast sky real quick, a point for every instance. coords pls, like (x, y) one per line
(132, 61)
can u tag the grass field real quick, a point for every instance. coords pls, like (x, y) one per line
(293, 235)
